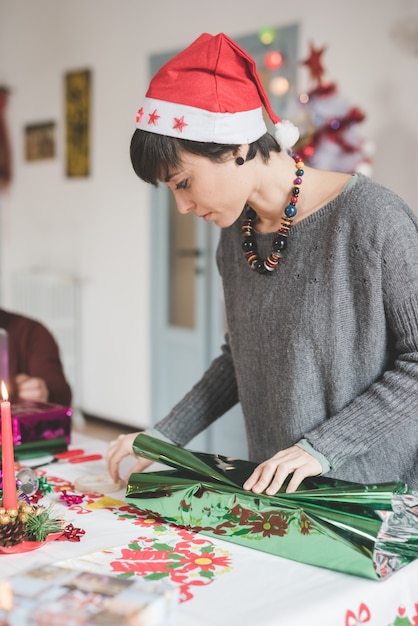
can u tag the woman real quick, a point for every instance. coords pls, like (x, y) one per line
(320, 278)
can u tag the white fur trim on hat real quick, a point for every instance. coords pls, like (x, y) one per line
(188, 122)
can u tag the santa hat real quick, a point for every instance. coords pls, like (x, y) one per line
(211, 92)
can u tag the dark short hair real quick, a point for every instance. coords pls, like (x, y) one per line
(154, 156)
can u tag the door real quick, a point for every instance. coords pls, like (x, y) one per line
(187, 319)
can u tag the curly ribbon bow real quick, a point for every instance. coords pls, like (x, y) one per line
(70, 498)
(71, 533)
(44, 486)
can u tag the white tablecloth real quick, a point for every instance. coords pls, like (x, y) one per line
(219, 582)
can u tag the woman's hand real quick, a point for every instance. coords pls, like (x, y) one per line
(119, 449)
(31, 388)
(270, 475)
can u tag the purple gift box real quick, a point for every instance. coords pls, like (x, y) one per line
(39, 428)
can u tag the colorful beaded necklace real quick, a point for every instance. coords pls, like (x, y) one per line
(249, 245)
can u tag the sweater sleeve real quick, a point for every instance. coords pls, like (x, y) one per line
(42, 360)
(212, 396)
(389, 406)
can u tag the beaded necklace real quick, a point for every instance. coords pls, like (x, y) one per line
(249, 245)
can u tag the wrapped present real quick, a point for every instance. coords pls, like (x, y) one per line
(365, 530)
(39, 428)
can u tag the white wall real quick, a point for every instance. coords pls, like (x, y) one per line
(98, 227)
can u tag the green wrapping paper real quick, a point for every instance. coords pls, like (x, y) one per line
(365, 530)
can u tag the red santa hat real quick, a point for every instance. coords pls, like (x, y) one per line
(211, 92)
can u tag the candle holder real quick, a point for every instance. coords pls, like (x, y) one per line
(28, 546)
(27, 527)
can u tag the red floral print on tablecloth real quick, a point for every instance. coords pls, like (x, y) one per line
(188, 563)
(174, 553)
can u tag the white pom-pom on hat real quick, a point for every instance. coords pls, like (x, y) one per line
(211, 92)
(286, 134)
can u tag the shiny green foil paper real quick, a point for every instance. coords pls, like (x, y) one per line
(365, 530)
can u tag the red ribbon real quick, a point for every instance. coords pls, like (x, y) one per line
(70, 498)
(70, 533)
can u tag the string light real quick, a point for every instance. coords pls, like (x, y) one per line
(273, 60)
(279, 86)
(267, 36)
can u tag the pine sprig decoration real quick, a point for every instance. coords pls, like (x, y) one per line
(26, 523)
(39, 524)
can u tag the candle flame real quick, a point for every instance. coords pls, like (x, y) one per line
(4, 393)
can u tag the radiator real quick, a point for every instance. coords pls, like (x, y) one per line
(52, 298)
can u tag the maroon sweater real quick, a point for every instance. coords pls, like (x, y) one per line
(34, 351)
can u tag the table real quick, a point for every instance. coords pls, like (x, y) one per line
(219, 582)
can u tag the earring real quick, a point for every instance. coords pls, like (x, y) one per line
(239, 161)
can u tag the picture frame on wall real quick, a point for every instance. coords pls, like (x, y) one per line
(77, 122)
(40, 141)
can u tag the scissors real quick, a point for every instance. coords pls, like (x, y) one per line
(69, 456)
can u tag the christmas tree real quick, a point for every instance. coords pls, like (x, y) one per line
(328, 124)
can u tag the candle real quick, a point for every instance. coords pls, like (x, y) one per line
(7, 454)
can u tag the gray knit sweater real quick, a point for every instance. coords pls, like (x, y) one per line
(326, 347)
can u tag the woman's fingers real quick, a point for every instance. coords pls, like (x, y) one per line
(261, 477)
(270, 475)
(117, 450)
(140, 465)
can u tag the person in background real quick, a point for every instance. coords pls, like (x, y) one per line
(35, 370)
(320, 279)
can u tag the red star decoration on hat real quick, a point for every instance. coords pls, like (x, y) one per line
(153, 117)
(179, 123)
(140, 115)
(313, 62)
